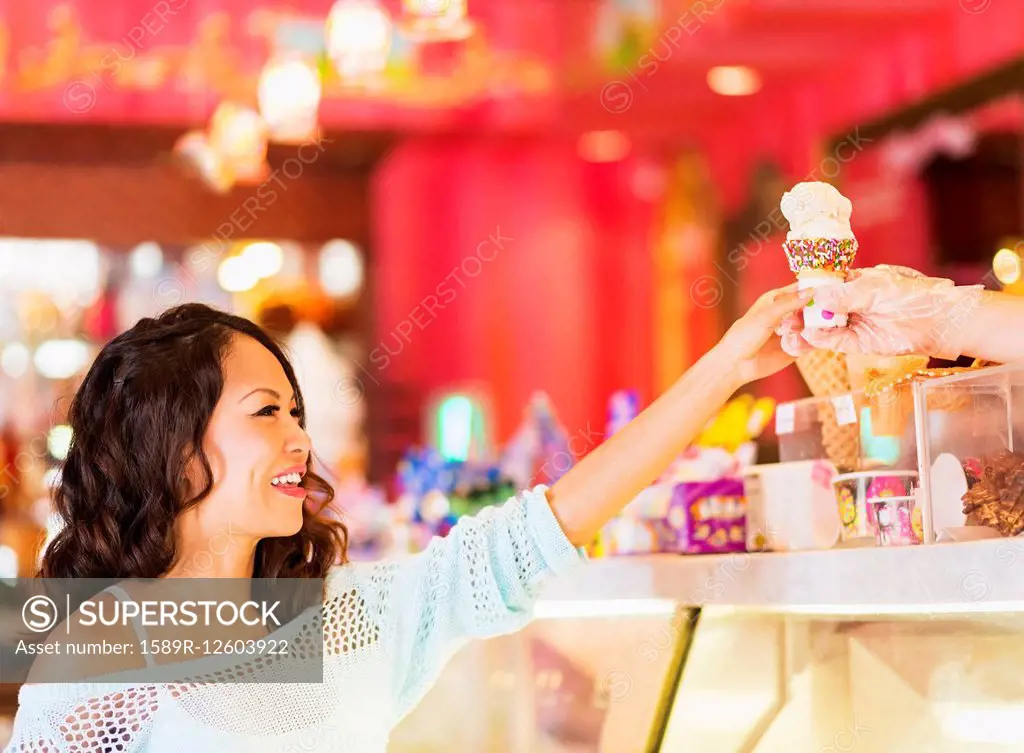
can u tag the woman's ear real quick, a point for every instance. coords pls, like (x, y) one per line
(196, 479)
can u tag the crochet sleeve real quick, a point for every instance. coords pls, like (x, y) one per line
(70, 719)
(480, 581)
(32, 733)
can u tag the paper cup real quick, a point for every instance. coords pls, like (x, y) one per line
(897, 521)
(852, 490)
(816, 317)
(790, 506)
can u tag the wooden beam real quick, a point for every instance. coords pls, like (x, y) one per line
(1005, 80)
(93, 144)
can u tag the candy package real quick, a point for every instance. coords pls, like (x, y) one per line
(709, 517)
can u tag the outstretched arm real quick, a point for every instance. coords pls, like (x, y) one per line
(993, 328)
(485, 576)
(897, 311)
(604, 482)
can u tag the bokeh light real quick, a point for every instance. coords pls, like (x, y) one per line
(358, 38)
(146, 260)
(264, 258)
(289, 98)
(1006, 265)
(341, 268)
(235, 276)
(734, 80)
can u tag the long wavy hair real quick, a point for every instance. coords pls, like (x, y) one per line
(138, 422)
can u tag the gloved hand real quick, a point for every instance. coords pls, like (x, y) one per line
(891, 311)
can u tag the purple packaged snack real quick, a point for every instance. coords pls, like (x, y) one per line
(709, 517)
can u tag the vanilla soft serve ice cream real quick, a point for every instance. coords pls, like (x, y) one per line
(817, 210)
(820, 244)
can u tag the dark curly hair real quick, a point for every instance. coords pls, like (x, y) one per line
(138, 421)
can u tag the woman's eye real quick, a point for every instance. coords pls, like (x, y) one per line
(268, 410)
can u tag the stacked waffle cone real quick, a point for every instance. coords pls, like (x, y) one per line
(827, 375)
(882, 378)
(889, 390)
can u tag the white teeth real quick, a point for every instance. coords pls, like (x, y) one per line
(287, 479)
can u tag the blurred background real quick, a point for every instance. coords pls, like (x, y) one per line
(470, 220)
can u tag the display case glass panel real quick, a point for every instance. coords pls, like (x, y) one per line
(563, 685)
(806, 683)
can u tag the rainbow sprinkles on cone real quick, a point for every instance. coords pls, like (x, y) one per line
(820, 245)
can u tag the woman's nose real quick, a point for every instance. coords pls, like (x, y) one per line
(298, 441)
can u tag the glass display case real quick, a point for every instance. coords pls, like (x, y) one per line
(877, 650)
(957, 432)
(969, 428)
(763, 682)
(850, 430)
(591, 678)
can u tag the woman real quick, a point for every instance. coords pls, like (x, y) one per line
(188, 430)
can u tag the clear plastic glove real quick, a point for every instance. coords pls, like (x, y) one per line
(892, 311)
(790, 331)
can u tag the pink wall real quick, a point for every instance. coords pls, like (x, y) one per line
(791, 122)
(794, 124)
(562, 305)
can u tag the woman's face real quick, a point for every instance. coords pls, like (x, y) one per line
(256, 448)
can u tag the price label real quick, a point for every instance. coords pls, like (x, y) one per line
(846, 411)
(785, 419)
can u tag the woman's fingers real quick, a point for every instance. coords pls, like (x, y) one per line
(786, 301)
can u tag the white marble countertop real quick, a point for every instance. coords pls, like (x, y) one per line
(972, 577)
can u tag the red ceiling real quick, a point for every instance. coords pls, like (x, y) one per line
(825, 64)
(860, 50)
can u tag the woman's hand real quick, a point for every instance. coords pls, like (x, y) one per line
(753, 344)
(601, 484)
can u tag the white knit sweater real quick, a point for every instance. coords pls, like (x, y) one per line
(389, 630)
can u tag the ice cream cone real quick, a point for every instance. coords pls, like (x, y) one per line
(820, 245)
(825, 373)
(867, 369)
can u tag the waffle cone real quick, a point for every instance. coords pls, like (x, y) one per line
(871, 373)
(841, 443)
(890, 395)
(827, 375)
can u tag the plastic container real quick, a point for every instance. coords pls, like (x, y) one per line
(840, 429)
(820, 428)
(969, 428)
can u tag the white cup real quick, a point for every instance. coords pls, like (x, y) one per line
(816, 317)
